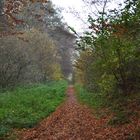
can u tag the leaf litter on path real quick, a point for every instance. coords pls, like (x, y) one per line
(73, 121)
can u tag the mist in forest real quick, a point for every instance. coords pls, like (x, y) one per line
(35, 45)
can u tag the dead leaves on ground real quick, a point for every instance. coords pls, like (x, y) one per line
(73, 121)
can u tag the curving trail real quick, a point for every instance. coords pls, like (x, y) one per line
(72, 121)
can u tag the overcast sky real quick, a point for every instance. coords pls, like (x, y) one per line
(79, 7)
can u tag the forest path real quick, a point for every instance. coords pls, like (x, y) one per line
(72, 121)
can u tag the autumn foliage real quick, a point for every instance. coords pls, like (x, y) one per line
(113, 43)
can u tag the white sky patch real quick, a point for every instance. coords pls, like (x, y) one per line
(79, 7)
(66, 4)
(72, 20)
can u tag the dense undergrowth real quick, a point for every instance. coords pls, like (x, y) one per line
(26, 106)
(93, 100)
(122, 108)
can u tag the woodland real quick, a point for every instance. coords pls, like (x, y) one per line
(40, 55)
(108, 64)
(33, 60)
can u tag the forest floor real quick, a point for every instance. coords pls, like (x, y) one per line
(73, 121)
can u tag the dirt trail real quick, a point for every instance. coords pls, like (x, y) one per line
(72, 121)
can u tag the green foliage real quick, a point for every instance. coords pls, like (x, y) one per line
(109, 62)
(24, 107)
(120, 118)
(103, 105)
(113, 62)
(92, 99)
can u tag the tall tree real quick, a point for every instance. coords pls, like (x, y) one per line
(115, 46)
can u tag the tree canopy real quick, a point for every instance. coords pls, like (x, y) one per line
(113, 44)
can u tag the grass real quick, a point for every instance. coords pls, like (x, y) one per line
(24, 107)
(116, 104)
(93, 100)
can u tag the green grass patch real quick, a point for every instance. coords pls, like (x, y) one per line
(24, 107)
(115, 103)
(93, 100)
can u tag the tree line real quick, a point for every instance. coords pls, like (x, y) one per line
(29, 53)
(109, 52)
